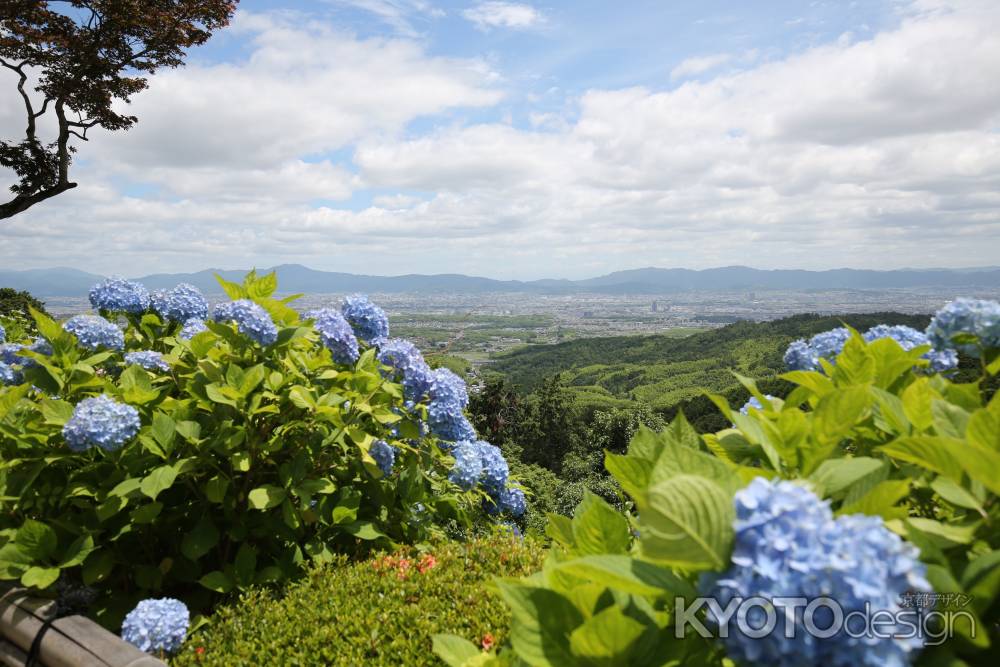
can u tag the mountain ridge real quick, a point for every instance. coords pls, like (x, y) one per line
(69, 282)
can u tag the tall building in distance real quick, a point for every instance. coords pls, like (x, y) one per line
(655, 307)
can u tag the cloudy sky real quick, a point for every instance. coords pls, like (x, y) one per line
(551, 139)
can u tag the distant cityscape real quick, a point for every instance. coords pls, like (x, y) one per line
(478, 326)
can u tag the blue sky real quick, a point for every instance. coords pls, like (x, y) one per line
(558, 139)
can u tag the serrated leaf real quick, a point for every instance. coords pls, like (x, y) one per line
(955, 494)
(40, 577)
(941, 455)
(159, 480)
(835, 476)
(97, 567)
(688, 523)
(36, 540)
(245, 565)
(628, 574)
(265, 497)
(598, 528)
(606, 638)
(200, 540)
(455, 651)
(881, 500)
(217, 581)
(542, 621)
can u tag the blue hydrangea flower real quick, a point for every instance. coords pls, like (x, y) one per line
(510, 528)
(445, 410)
(408, 366)
(180, 304)
(977, 317)
(800, 357)
(94, 332)
(9, 353)
(148, 359)
(829, 344)
(512, 501)
(101, 421)
(3, 335)
(192, 328)
(468, 465)
(9, 375)
(119, 295)
(251, 320)
(495, 469)
(753, 403)
(157, 625)
(787, 544)
(384, 455)
(158, 301)
(336, 334)
(370, 322)
(909, 338)
(449, 424)
(446, 387)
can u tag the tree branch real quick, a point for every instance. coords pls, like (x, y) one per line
(21, 203)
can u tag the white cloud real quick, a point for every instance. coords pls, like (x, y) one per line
(699, 65)
(882, 152)
(494, 14)
(399, 14)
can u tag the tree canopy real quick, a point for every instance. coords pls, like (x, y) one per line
(74, 59)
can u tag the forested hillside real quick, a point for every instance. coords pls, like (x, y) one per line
(660, 372)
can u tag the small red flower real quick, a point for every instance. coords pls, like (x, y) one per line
(426, 563)
(488, 641)
(200, 650)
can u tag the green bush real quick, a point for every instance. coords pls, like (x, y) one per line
(873, 434)
(366, 612)
(251, 461)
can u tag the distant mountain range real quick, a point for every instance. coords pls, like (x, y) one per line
(65, 282)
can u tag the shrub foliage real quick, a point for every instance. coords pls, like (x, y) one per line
(872, 433)
(252, 457)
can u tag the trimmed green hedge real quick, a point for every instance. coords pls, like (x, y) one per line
(368, 612)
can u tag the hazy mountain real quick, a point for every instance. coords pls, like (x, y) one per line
(297, 278)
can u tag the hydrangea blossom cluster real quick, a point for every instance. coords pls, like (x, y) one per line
(754, 403)
(8, 375)
(495, 469)
(180, 304)
(94, 332)
(148, 359)
(101, 421)
(336, 334)
(789, 545)
(805, 355)
(468, 465)
(370, 322)
(119, 295)
(977, 317)
(10, 353)
(512, 501)
(3, 335)
(192, 328)
(251, 320)
(909, 338)
(445, 412)
(479, 462)
(384, 455)
(408, 366)
(157, 625)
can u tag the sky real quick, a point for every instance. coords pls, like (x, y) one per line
(546, 140)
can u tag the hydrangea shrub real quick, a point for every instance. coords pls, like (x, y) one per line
(154, 453)
(875, 481)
